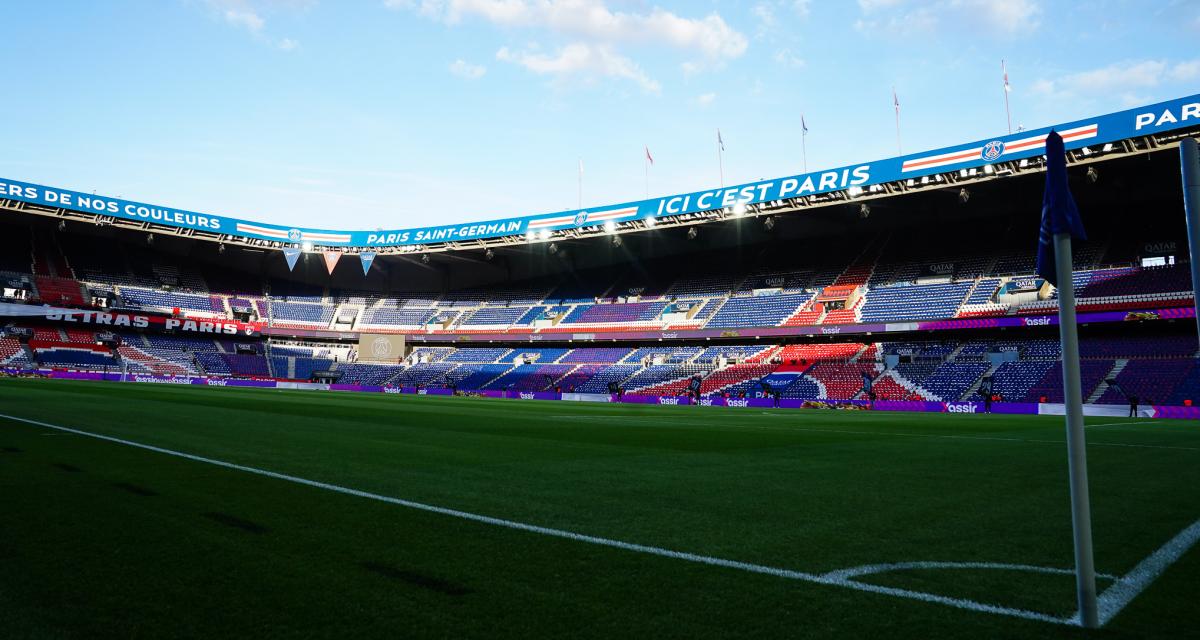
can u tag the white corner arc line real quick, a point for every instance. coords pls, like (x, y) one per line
(1130, 585)
(1116, 600)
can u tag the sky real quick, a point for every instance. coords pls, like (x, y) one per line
(365, 114)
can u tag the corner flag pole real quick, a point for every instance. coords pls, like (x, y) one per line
(1189, 160)
(1060, 222)
(1081, 508)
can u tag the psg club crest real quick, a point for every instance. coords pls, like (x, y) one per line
(294, 235)
(580, 218)
(993, 150)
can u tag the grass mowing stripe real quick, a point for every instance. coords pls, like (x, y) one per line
(823, 579)
(683, 423)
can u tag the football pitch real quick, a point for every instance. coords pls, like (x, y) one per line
(130, 510)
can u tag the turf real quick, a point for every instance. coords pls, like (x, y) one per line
(99, 539)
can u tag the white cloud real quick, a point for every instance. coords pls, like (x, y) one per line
(788, 58)
(597, 35)
(1120, 77)
(907, 17)
(705, 99)
(580, 61)
(245, 18)
(464, 69)
(248, 15)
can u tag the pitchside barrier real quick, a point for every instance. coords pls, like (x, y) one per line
(1010, 408)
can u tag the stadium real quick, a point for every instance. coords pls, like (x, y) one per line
(829, 404)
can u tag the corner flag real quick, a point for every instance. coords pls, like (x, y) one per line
(1061, 223)
(1059, 213)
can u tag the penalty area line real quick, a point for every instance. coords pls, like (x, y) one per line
(1140, 580)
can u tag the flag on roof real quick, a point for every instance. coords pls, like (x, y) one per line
(803, 125)
(720, 141)
(648, 156)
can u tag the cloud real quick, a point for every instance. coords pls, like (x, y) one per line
(1007, 18)
(580, 61)
(1120, 77)
(597, 34)
(248, 15)
(787, 58)
(245, 18)
(705, 99)
(464, 69)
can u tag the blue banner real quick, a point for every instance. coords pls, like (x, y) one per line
(1157, 118)
(291, 254)
(367, 257)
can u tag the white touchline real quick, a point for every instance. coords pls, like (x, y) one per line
(1115, 598)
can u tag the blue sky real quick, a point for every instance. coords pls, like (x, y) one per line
(401, 113)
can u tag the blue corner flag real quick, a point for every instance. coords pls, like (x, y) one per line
(1059, 213)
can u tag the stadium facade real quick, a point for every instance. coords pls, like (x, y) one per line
(907, 280)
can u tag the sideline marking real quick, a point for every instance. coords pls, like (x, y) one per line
(1113, 599)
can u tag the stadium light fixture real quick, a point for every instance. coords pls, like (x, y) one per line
(530, 236)
(425, 258)
(855, 191)
(1108, 147)
(616, 241)
(650, 222)
(489, 254)
(691, 234)
(307, 246)
(769, 223)
(989, 169)
(610, 226)
(553, 248)
(544, 234)
(739, 209)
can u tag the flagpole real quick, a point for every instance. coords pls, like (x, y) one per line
(896, 103)
(804, 142)
(721, 157)
(580, 202)
(646, 163)
(1007, 112)
(1081, 511)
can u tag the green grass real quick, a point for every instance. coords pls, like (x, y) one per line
(99, 539)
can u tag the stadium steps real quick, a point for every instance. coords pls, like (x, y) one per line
(972, 391)
(858, 354)
(291, 368)
(1116, 370)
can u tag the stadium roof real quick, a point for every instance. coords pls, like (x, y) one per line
(1138, 130)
